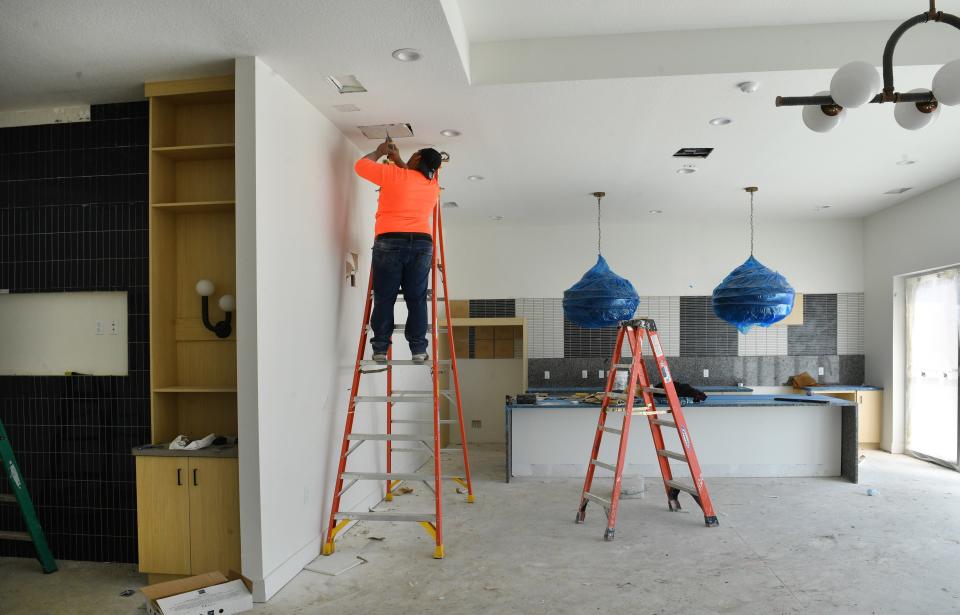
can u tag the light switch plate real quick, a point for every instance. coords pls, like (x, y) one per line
(706, 373)
(98, 330)
(584, 373)
(600, 374)
(546, 375)
(819, 371)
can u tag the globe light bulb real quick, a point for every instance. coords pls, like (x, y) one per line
(816, 120)
(227, 303)
(205, 288)
(909, 116)
(946, 83)
(855, 84)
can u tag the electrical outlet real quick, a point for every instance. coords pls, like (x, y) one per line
(600, 374)
(546, 375)
(819, 371)
(99, 328)
(584, 373)
(114, 328)
(706, 373)
(476, 424)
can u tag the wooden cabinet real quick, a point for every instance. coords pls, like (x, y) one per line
(188, 515)
(188, 508)
(870, 410)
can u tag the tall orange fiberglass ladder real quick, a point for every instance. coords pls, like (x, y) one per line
(633, 331)
(432, 521)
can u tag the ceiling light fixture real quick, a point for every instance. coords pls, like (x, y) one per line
(822, 207)
(686, 170)
(449, 132)
(906, 162)
(720, 121)
(407, 54)
(475, 178)
(748, 87)
(656, 211)
(451, 205)
(858, 83)
(496, 218)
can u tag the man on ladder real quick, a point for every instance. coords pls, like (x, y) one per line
(403, 249)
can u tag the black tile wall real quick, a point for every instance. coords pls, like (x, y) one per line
(702, 334)
(579, 342)
(73, 216)
(818, 333)
(493, 308)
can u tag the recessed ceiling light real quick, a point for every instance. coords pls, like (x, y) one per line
(475, 178)
(906, 162)
(822, 207)
(898, 190)
(449, 132)
(407, 54)
(451, 204)
(720, 121)
(346, 84)
(496, 218)
(686, 170)
(656, 211)
(748, 87)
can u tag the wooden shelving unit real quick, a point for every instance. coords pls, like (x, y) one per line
(193, 372)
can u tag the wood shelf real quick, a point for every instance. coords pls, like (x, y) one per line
(196, 206)
(213, 151)
(196, 389)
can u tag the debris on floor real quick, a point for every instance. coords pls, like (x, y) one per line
(402, 490)
(335, 564)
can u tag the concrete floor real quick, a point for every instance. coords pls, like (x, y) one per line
(793, 545)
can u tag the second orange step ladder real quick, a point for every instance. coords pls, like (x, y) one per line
(633, 332)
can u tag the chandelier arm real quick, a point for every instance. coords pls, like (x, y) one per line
(888, 89)
(802, 101)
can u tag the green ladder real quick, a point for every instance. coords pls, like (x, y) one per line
(21, 498)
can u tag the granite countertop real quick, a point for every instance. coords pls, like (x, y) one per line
(719, 401)
(841, 388)
(705, 389)
(162, 450)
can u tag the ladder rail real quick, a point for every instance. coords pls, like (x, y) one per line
(438, 524)
(453, 353)
(658, 442)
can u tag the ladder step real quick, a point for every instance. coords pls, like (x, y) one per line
(426, 421)
(664, 422)
(616, 430)
(424, 450)
(655, 390)
(401, 437)
(402, 398)
(386, 516)
(605, 466)
(597, 499)
(23, 536)
(682, 486)
(427, 392)
(8, 497)
(390, 476)
(672, 455)
(403, 362)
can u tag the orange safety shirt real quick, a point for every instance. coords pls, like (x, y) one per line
(407, 198)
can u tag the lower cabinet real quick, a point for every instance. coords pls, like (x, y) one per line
(870, 411)
(188, 514)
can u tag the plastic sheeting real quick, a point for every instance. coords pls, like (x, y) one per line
(600, 299)
(753, 294)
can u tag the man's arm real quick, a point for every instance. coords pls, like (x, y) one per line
(378, 173)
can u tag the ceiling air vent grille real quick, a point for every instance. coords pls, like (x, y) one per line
(693, 152)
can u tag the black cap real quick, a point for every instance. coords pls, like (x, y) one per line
(430, 160)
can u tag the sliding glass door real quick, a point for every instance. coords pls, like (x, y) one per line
(932, 341)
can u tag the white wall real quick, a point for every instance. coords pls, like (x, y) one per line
(300, 210)
(916, 235)
(52, 333)
(661, 256)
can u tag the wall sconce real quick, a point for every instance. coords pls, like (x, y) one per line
(227, 304)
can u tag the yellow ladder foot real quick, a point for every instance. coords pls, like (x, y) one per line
(471, 499)
(328, 548)
(438, 552)
(388, 497)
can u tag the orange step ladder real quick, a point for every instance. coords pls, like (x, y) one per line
(432, 521)
(633, 332)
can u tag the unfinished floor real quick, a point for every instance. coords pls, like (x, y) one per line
(784, 546)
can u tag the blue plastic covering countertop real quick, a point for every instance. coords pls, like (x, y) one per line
(717, 401)
(840, 388)
(600, 299)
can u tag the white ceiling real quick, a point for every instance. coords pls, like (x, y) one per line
(544, 144)
(503, 20)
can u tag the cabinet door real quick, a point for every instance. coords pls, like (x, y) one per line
(870, 408)
(214, 515)
(163, 515)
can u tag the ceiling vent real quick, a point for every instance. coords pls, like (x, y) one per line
(382, 131)
(693, 152)
(347, 84)
(346, 108)
(450, 205)
(898, 190)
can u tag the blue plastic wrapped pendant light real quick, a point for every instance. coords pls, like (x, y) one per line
(601, 298)
(752, 294)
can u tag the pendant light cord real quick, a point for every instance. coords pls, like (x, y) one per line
(751, 224)
(598, 225)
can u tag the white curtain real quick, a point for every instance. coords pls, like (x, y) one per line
(932, 338)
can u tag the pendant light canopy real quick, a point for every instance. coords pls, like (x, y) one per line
(601, 298)
(752, 294)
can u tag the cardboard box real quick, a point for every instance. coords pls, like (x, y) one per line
(204, 594)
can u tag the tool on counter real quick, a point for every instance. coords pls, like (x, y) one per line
(431, 521)
(21, 498)
(633, 331)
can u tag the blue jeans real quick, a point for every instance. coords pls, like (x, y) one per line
(401, 263)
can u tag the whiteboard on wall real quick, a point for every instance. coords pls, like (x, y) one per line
(49, 334)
